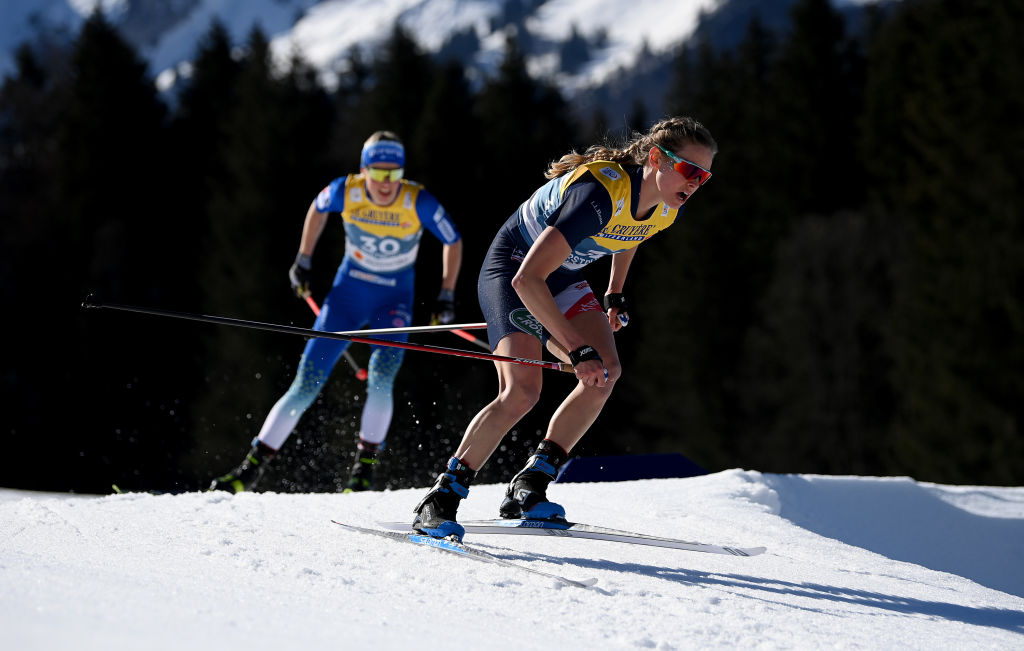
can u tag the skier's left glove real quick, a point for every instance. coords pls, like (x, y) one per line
(444, 308)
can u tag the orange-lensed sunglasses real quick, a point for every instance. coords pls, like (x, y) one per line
(688, 169)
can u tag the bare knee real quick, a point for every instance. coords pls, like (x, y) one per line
(519, 397)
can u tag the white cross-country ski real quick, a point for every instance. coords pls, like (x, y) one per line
(451, 546)
(564, 529)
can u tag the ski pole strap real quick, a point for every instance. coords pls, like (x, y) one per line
(582, 354)
(615, 300)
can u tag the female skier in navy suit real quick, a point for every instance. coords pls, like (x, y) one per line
(605, 201)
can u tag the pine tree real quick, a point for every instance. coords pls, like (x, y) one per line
(401, 77)
(525, 126)
(274, 156)
(448, 124)
(814, 388)
(110, 149)
(198, 130)
(108, 235)
(772, 107)
(815, 383)
(705, 276)
(29, 113)
(945, 150)
(816, 94)
(29, 106)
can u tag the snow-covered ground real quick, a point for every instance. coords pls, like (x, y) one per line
(852, 562)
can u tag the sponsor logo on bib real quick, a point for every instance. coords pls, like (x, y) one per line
(522, 319)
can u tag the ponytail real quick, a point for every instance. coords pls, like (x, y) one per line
(670, 133)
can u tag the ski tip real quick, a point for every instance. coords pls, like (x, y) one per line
(587, 584)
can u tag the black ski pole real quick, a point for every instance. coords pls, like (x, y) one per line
(91, 302)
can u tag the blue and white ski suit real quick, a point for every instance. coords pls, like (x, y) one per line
(373, 287)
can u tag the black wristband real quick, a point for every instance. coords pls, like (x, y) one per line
(615, 300)
(583, 354)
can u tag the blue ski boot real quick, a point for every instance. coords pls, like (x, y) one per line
(526, 496)
(435, 514)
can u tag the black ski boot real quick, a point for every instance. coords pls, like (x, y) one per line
(435, 514)
(367, 459)
(526, 495)
(248, 473)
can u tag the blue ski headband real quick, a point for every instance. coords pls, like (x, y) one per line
(383, 151)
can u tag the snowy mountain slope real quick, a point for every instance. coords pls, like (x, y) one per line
(269, 571)
(166, 33)
(609, 36)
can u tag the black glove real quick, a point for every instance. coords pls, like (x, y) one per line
(444, 308)
(301, 274)
(617, 301)
(584, 354)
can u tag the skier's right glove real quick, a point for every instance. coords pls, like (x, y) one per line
(618, 302)
(301, 274)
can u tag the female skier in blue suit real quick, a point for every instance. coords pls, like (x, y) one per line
(384, 216)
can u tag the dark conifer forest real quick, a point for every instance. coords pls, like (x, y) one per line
(845, 296)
